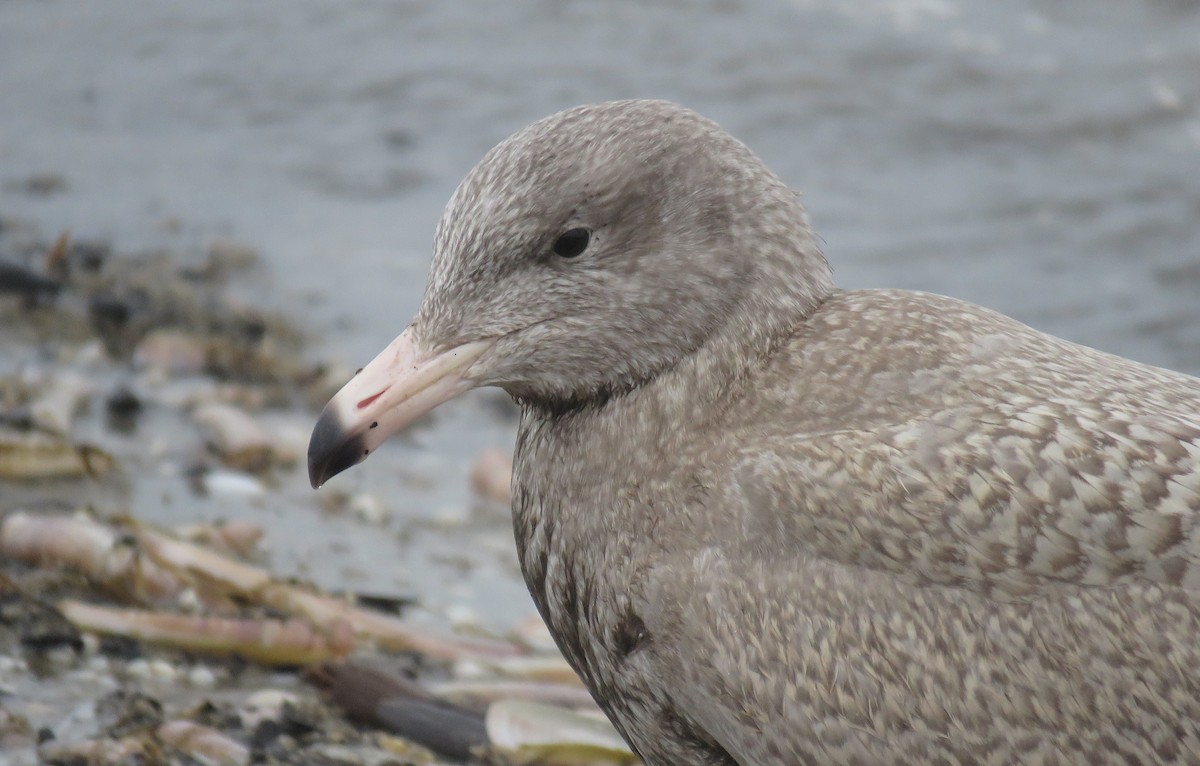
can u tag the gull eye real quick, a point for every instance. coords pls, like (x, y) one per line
(572, 243)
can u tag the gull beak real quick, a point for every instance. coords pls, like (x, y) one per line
(394, 389)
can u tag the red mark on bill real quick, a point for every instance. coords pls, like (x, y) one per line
(369, 399)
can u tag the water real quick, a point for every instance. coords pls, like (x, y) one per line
(1040, 157)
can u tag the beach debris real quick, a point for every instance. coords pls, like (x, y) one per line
(234, 485)
(126, 722)
(533, 733)
(128, 711)
(203, 744)
(392, 751)
(522, 732)
(55, 261)
(268, 641)
(491, 475)
(531, 631)
(37, 413)
(135, 733)
(368, 507)
(383, 602)
(145, 565)
(139, 345)
(38, 457)
(202, 677)
(480, 692)
(100, 752)
(24, 282)
(237, 537)
(143, 669)
(38, 625)
(222, 258)
(300, 724)
(15, 731)
(31, 287)
(253, 584)
(60, 398)
(544, 668)
(380, 698)
(108, 558)
(82, 257)
(238, 439)
(172, 351)
(169, 316)
(122, 407)
(264, 705)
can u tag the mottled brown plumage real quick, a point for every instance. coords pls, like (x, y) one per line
(772, 522)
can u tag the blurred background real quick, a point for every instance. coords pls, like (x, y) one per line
(1041, 157)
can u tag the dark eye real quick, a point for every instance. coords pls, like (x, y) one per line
(572, 243)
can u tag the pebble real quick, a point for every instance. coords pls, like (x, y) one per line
(93, 675)
(188, 600)
(264, 705)
(368, 507)
(138, 668)
(451, 516)
(345, 755)
(202, 677)
(469, 669)
(462, 616)
(232, 484)
(158, 670)
(168, 351)
(163, 670)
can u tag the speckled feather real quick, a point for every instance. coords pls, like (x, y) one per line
(771, 522)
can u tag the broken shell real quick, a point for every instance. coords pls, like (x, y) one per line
(237, 537)
(250, 582)
(203, 743)
(492, 690)
(271, 642)
(37, 457)
(368, 507)
(528, 732)
(234, 485)
(239, 440)
(100, 752)
(201, 677)
(171, 351)
(551, 669)
(236, 436)
(225, 256)
(92, 548)
(264, 705)
(59, 400)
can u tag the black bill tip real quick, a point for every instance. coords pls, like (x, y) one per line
(331, 449)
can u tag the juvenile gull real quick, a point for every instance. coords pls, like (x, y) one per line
(769, 521)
